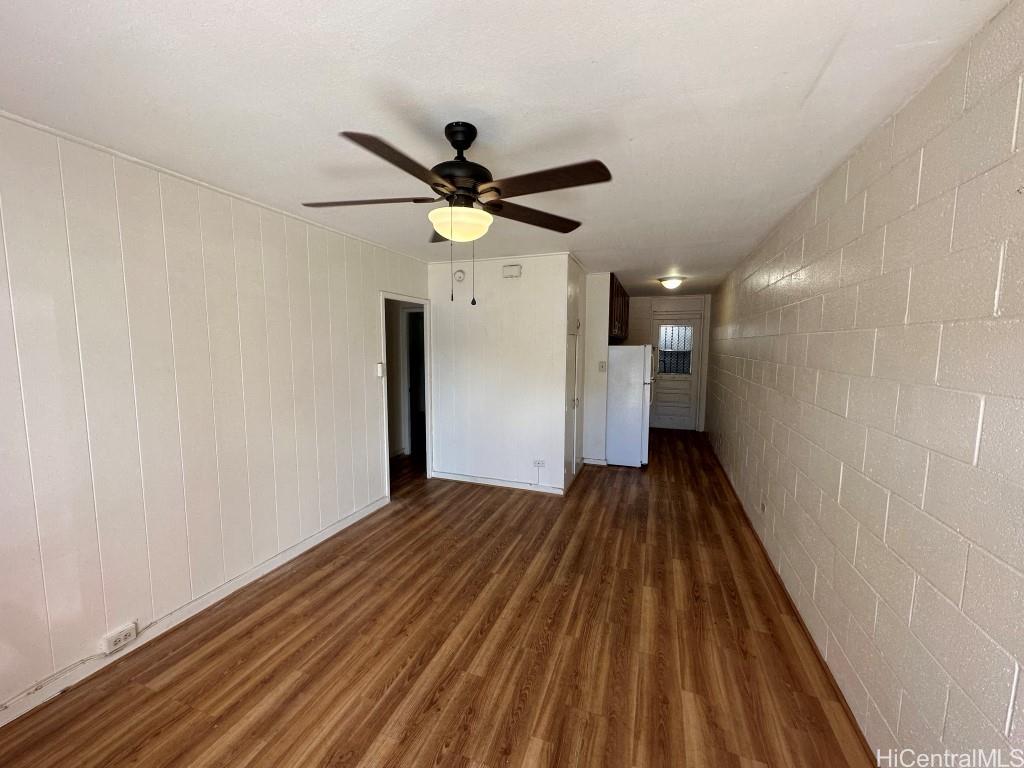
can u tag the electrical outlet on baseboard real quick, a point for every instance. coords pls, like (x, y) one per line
(119, 638)
(538, 462)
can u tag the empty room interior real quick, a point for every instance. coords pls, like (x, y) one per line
(626, 385)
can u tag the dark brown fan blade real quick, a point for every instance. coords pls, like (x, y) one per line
(385, 151)
(437, 238)
(576, 175)
(531, 216)
(338, 203)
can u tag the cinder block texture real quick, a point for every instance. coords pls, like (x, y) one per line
(895, 408)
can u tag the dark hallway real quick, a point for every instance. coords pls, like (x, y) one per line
(407, 411)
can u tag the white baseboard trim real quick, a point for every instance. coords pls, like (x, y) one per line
(596, 462)
(501, 483)
(63, 679)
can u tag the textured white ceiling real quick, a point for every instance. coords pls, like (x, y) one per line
(714, 116)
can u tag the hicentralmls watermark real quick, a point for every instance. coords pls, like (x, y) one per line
(975, 758)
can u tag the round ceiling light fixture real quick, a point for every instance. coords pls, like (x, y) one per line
(461, 224)
(671, 282)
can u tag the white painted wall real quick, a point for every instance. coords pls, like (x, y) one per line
(575, 367)
(499, 371)
(640, 331)
(187, 396)
(868, 405)
(642, 309)
(595, 383)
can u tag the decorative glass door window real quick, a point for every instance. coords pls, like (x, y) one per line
(675, 348)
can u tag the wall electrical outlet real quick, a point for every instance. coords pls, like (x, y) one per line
(538, 462)
(119, 638)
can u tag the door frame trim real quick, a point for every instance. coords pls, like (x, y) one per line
(659, 316)
(427, 383)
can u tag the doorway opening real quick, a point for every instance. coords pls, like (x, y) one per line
(675, 396)
(405, 338)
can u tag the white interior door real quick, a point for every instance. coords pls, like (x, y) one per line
(675, 393)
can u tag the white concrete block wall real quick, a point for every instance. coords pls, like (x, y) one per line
(866, 396)
(187, 393)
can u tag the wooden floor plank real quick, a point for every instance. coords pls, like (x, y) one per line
(635, 622)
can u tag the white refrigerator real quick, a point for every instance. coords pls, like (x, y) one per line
(629, 405)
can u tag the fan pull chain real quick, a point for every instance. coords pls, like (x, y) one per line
(451, 252)
(473, 302)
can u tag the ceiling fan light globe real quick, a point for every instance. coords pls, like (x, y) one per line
(671, 283)
(460, 224)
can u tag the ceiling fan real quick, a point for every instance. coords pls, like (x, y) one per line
(472, 194)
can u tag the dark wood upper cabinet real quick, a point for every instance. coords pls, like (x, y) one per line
(618, 312)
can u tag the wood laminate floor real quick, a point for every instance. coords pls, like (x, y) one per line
(404, 469)
(635, 623)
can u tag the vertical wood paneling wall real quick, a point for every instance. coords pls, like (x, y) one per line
(187, 389)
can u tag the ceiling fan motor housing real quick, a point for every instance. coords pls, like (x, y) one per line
(464, 175)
